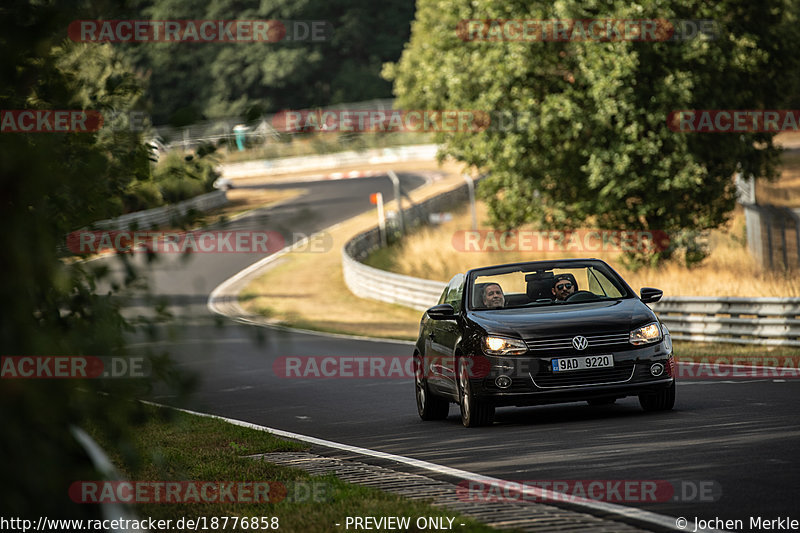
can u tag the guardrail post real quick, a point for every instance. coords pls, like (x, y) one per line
(471, 190)
(398, 199)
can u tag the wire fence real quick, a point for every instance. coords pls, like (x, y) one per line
(251, 132)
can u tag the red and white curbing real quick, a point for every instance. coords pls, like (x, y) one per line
(351, 174)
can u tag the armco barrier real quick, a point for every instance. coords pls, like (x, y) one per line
(765, 321)
(159, 216)
(368, 282)
(266, 167)
(769, 321)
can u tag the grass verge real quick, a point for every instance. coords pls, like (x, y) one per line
(175, 446)
(739, 354)
(326, 143)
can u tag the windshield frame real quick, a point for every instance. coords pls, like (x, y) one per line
(532, 266)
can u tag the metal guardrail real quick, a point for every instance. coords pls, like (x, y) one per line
(159, 216)
(368, 282)
(374, 156)
(763, 321)
(768, 321)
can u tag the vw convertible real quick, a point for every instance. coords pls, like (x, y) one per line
(539, 333)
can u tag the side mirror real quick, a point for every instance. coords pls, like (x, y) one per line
(650, 295)
(442, 312)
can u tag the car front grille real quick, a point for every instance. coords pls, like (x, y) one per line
(581, 378)
(563, 345)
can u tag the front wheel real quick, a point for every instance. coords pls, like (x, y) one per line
(663, 400)
(474, 412)
(429, 406)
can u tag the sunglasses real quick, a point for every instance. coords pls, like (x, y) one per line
(564, 286)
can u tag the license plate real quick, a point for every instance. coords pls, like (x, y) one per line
(567, 364)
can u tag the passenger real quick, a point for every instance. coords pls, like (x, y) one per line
(493, 296)
(563, 287)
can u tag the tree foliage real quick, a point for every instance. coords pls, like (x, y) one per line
(190, 81)
(50, 184)
(589, 142)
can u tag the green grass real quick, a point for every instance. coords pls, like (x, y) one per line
(175, 446)
(327, 143)
(383, 258)
(724, 353)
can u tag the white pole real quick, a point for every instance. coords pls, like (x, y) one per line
(381, 219)
(471, 189)
(396, 183)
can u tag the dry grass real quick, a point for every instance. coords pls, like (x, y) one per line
(728, 271)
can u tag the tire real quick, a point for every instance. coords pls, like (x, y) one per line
(474, 412)
(660, 401)
(429, 406)
(601, 401)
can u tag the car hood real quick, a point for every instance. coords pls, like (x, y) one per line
(567, 319)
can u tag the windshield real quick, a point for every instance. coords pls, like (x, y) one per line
(526, 286)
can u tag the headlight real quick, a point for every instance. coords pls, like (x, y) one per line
(503, 346)
(646, 334)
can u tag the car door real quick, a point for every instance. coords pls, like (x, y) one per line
(441, 339)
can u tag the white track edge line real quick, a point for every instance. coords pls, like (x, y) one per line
(649, 517)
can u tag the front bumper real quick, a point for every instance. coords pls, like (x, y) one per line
(529, 380)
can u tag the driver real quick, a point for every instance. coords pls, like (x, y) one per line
(564, 287)
(493, 296)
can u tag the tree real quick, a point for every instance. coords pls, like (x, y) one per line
(190, 81)
(589, 141)
(50, 184)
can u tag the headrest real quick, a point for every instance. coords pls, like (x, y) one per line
(477, 294)
(539, 285)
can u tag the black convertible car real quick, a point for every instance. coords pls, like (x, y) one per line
(537, 333)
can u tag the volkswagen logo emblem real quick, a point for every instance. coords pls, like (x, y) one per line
(579, 342)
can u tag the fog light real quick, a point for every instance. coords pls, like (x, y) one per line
(657, 369)
(503, 382)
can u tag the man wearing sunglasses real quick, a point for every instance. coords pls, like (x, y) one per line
(564, 286)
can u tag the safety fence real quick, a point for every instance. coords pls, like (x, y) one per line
(160, 216)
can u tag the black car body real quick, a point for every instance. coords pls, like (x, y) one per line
(600, 344)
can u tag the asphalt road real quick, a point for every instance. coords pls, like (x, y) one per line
(737, 440)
